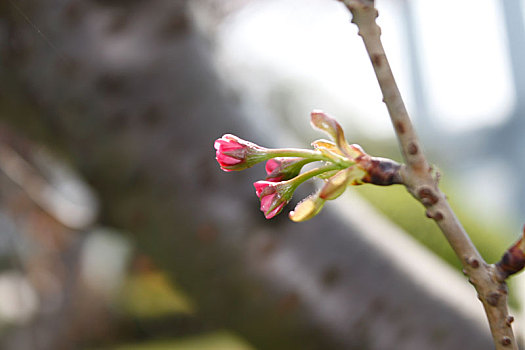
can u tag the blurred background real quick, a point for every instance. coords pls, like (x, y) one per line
(119, 231)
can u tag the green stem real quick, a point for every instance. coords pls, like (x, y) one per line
(310, 154)
(299, 179)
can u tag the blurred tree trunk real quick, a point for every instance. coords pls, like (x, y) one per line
(126, 92)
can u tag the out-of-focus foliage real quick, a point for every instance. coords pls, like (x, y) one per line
(151, 295)
(221, 340)
(399, 206)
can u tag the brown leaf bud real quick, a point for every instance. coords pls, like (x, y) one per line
(513, 261)
(381, 171)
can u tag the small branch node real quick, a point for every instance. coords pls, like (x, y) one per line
(506, 341)
(378, 59)
(427, 196)
(473, 262)
(493, 298)
(509, 320)
(399, 126)
(437, 215)
(412, 148)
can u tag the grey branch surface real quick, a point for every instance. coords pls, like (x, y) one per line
(423, 185)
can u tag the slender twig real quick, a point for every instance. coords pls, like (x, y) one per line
(418, 177)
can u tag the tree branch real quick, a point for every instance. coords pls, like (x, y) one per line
(418, 177)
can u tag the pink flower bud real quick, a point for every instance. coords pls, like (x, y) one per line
(281, 169)
(273, 195)
(234, 153)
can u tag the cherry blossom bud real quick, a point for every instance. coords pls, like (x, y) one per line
(234, 153)
(273, 195)
(343, 165)
(281, 169)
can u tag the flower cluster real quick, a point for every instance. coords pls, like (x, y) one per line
(342, 164)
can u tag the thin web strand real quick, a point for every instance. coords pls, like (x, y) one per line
(36, 29)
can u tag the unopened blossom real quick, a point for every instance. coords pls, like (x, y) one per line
(281, 169)
(234, 153)
(273, 196)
